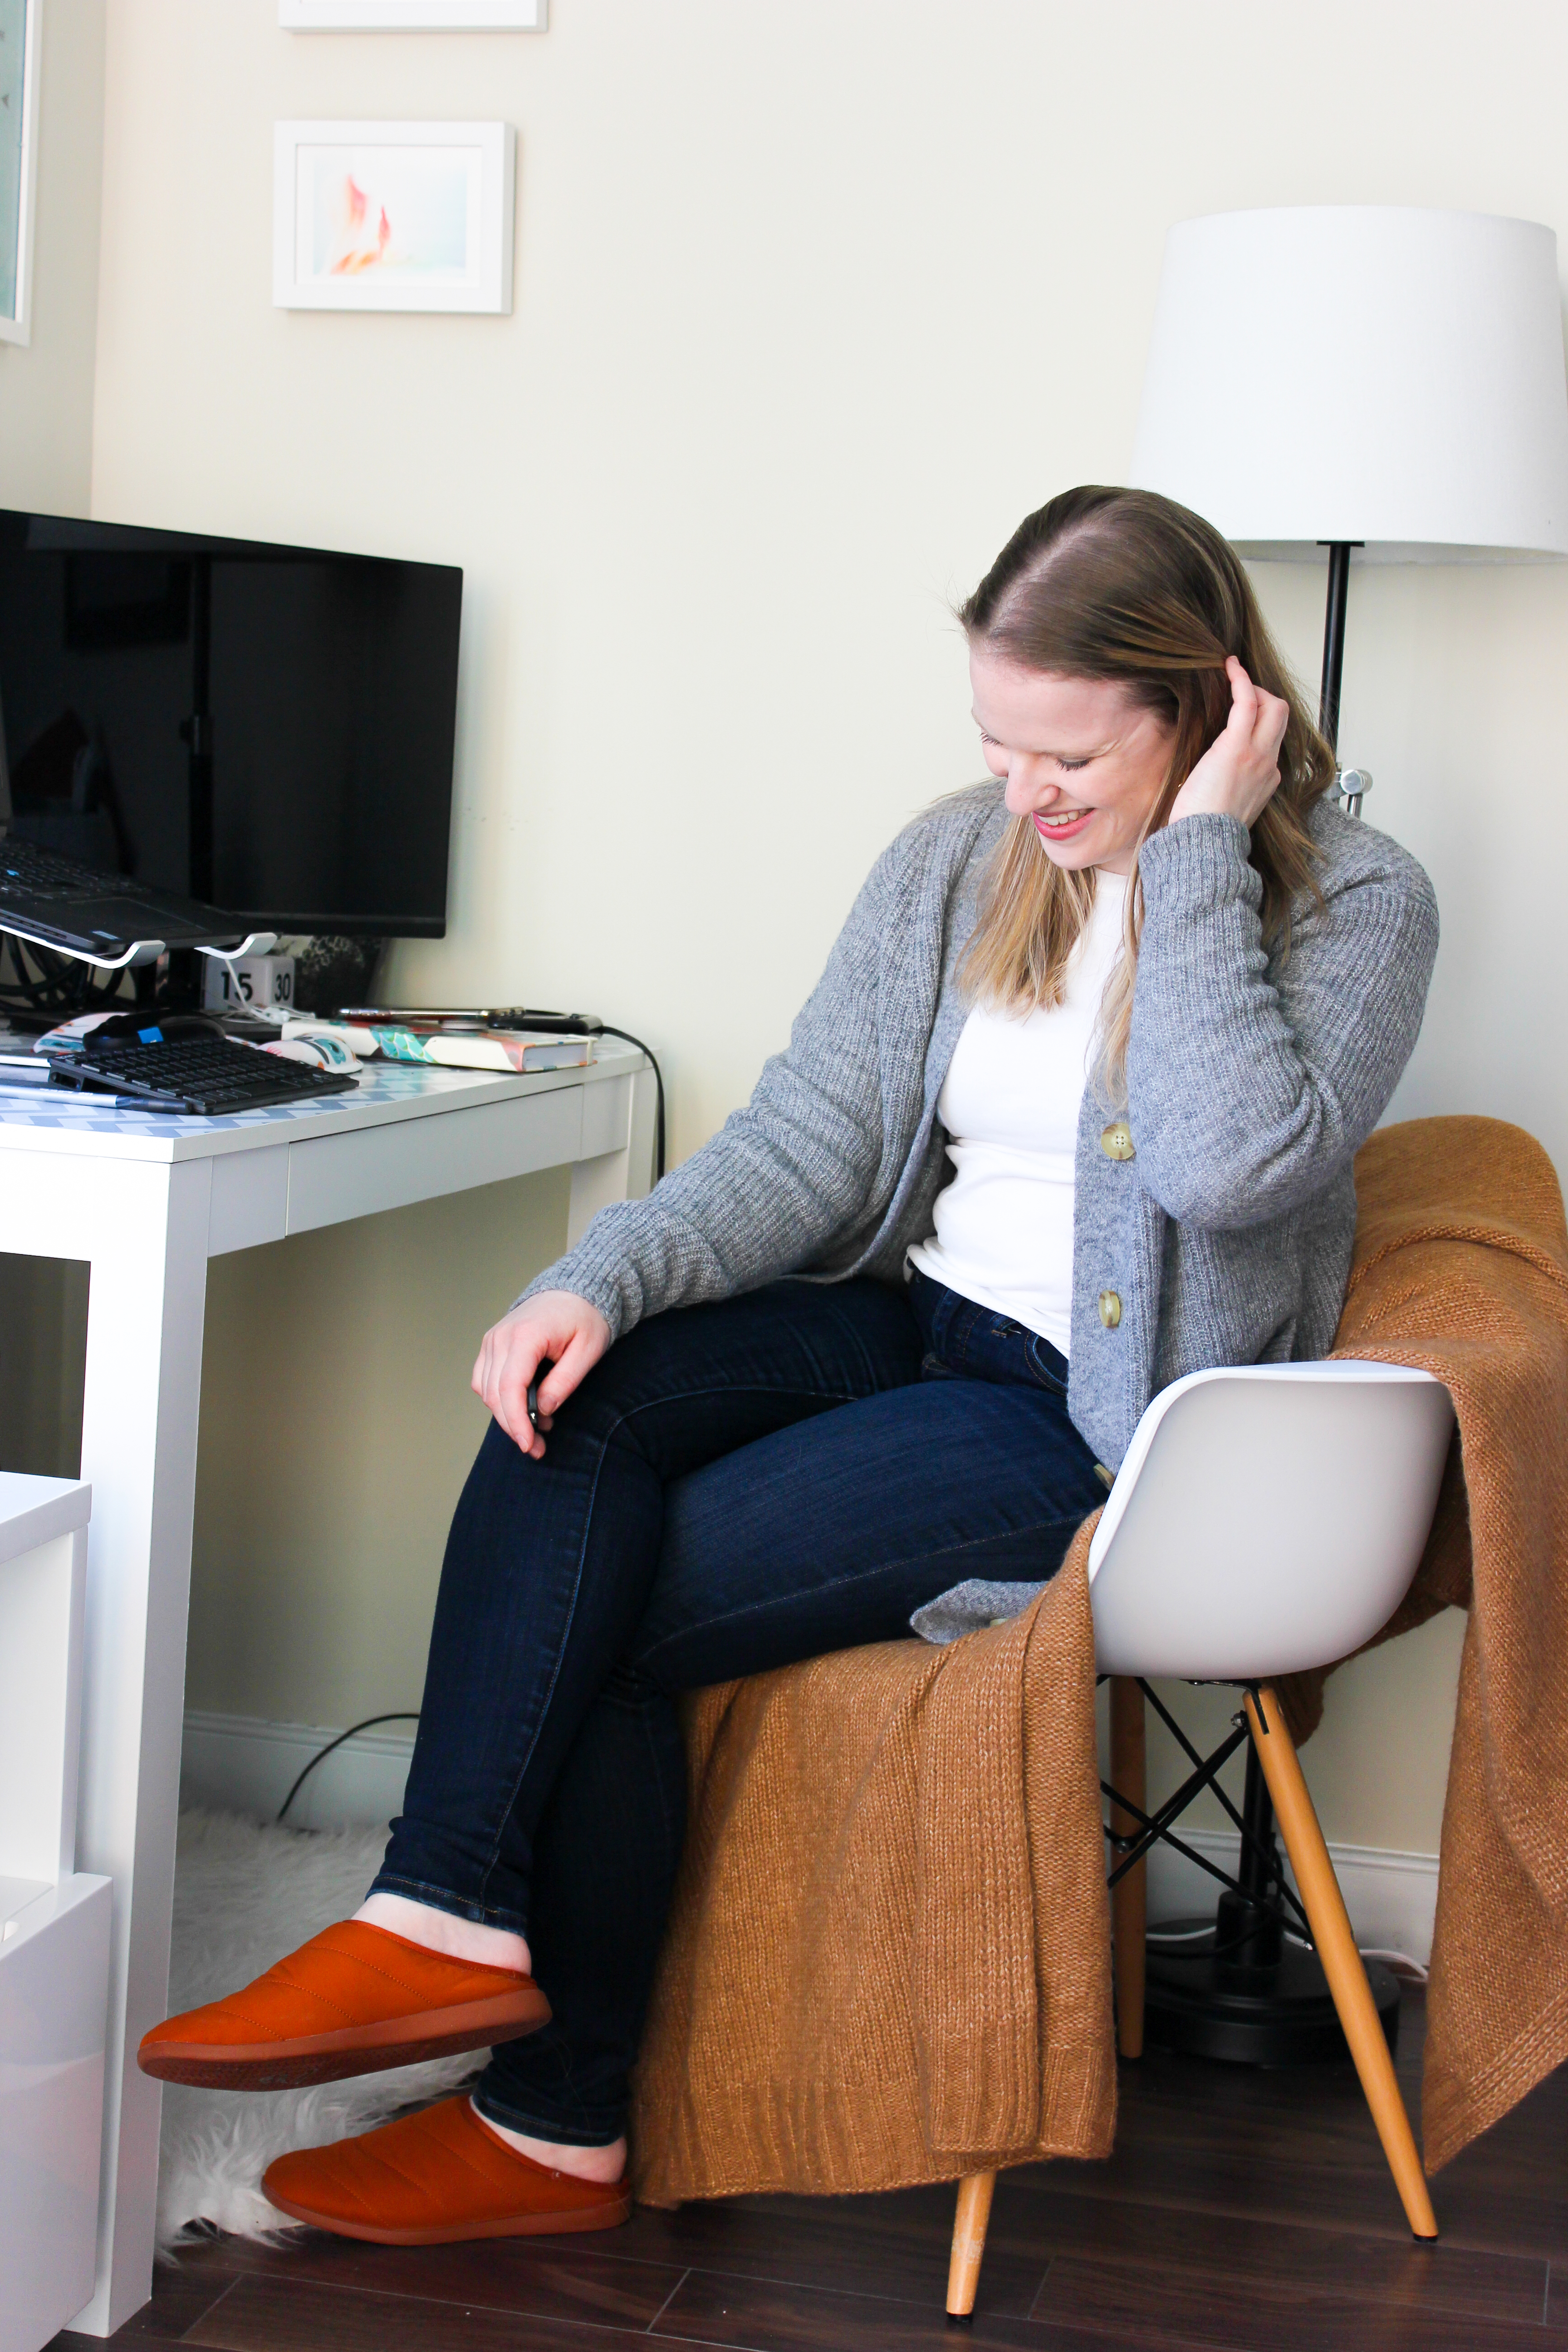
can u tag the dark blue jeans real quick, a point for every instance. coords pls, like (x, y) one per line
(733, 1488)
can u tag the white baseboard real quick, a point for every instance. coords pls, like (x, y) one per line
(241, 1765)
(238, 1764)
(1392, 1898)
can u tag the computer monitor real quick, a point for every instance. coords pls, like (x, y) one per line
(269, 729)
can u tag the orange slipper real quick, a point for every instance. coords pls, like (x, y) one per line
(352, 2001)
(434, 2177)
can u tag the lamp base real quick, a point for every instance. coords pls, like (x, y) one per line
(1280, 2015)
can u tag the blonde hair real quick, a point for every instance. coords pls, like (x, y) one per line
(1128, 586)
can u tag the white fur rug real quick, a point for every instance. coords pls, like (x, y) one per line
(244, 1894)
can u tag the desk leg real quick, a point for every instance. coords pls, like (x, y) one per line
(138, 1449)
(622, 1175)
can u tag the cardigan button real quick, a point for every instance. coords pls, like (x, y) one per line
(1109, 1309)
(1106, 1477)
(1116, 1141)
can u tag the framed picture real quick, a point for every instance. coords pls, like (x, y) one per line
(18, 165)
(392, 216)
(414, 15)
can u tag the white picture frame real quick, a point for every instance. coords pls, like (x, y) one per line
(414, 16)
(19, 167)
(392, 216)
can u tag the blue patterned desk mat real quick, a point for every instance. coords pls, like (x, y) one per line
(85, 1114)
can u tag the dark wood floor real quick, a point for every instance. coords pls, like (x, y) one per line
(1248, 2211)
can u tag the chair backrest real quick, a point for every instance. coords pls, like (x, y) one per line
(1267, 1520)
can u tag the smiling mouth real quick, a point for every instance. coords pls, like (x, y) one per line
(1061, 820)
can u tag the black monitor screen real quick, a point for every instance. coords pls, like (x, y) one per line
(268, 728)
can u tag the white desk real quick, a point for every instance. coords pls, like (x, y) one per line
(146, 1200)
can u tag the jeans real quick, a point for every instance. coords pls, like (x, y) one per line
(733, 1486)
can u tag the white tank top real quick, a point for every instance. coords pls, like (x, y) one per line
(1010, 1103)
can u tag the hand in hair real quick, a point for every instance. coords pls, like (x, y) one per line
(1239, 772)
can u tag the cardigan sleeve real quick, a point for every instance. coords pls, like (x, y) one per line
(1253, 1082)
(765, 1194)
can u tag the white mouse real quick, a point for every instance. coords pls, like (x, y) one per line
(319, 1052)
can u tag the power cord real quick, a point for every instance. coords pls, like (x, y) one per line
(608, 1031)
(51, 987)
(588, 1024)
(400, 1715)
(596, 1028)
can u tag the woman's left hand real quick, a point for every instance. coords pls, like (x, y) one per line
(1239, 772)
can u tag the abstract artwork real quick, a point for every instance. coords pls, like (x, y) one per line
(392, 216)
(18, 113)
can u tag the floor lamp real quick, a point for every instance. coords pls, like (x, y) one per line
(1384, 381)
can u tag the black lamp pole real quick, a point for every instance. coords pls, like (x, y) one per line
(1243, 1989)
(1250, 1923)
(1259, 1934)
(1334, 639)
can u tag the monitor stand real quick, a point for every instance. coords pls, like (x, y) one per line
(173, 985)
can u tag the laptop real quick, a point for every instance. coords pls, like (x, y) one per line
(57, 901)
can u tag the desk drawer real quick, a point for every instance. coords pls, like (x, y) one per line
(606, 1116)
(331, 1177)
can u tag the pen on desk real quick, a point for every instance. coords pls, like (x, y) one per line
(19, 1090)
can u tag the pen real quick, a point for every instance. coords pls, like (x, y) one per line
(29, 1090)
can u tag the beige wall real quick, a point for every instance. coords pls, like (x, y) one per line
(812, 305)
(337, 1428)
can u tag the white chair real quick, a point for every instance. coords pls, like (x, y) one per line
(54, 1923)
(1265, 1521)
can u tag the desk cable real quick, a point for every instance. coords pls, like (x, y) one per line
(588, 1024)
(400, 1715)
(607, 1030)
(405, 1714)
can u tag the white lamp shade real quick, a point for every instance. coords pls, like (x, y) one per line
(1367, 372)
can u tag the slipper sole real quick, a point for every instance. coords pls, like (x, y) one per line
(452, 2233)
(347, 2050)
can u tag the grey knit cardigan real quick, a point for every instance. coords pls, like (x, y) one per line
(1253, 1078)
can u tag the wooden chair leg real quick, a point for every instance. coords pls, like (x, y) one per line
(1330, 1923)
(1129, 1897)
(968, 2243)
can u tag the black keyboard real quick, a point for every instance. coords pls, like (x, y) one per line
(208, 1074)
(48, 874)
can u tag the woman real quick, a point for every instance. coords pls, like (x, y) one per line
(1071, 1113)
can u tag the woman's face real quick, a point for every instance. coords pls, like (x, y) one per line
(1078, 755)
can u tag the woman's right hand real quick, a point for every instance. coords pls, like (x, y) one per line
(555, 1325)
